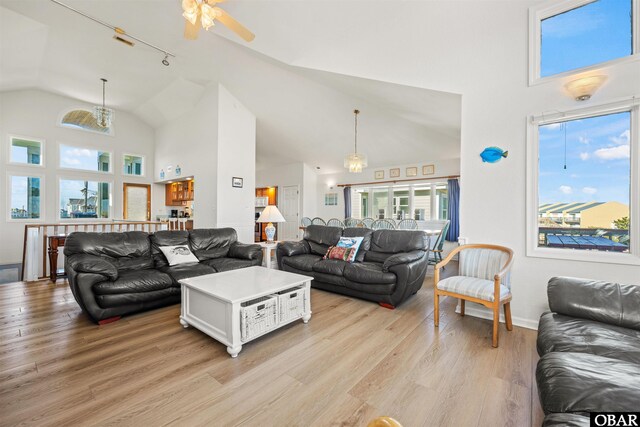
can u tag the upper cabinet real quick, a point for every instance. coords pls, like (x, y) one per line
(179, 193)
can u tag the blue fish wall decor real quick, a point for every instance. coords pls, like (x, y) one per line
(493, 154)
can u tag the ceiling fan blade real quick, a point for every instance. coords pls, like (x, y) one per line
(191, 30)
(234, 25)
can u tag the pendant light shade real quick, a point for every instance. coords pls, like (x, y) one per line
(355, 162)
(102, 114)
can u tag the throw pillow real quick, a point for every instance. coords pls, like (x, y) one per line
(352, 243)
(180, 254)
(335, 252)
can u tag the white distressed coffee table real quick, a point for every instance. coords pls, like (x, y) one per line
(211, 303)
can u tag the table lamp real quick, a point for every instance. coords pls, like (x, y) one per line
(270, 214)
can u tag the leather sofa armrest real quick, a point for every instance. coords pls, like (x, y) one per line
(402, 258)
(245, 251)
(85, 263)
(293, 248)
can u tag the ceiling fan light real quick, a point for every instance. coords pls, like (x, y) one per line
(188, 5)
(191, 15)
(208, 16)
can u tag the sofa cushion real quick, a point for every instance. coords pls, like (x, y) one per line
(166, 238)
(184, 271)
(177, 255)
(320, 237)
(368, 272)
(330, 266)
(565, 420)
(578, 382)
(557, 332)
(212, 243)
(302, 262)
(135, 281)
(138, 301)
(363, 232)
(129, 250)
(226, 264)
(379, 257)
(472, 287)
(331, 279)
(371, 288)
(394, 241)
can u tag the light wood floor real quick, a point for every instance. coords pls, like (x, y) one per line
(352, 362)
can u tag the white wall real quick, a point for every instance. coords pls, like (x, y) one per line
(236, 158)
(35, 113)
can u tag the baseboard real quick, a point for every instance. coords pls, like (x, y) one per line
(485, 313)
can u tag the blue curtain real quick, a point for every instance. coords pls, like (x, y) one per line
(347, 202)
(453, 189)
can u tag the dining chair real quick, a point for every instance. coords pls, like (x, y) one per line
(383, 224)
(351, 222)
(335, 222)
(484, 278)
(305, 221)
(435, 254)
(408, 224)
(367, 222)
(318, 221)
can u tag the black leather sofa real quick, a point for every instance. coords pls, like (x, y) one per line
(114, 274)
(390, 265)
(589, 345)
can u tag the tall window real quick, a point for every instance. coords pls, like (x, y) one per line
(422, 203)
(84, 159)
(442, 198)
(380, 202)
(401, 203)
(133, 165)
(24, 202)
(26, 151)
(84, 199)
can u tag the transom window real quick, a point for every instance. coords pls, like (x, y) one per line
(26, 151)
(83, 120)
(133, 165)
(87, 159)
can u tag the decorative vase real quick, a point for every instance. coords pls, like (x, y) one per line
(161, 173)
(270, 231)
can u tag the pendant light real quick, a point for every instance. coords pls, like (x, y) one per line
(103, 115)
(355, 161)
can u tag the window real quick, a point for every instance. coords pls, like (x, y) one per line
(583, 200)
(400, 204)
(84, 159)
(83, 120)
(84, 199)
(26, 151)
(24, 197)
(576, 34)
(133, 165)
(379, 202)
(442, 200)
(422, 203)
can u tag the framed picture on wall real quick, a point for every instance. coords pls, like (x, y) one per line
(412, 171)
(236, 182)
(394, 173)
(378, 174)
(428, 169)
(331, 199)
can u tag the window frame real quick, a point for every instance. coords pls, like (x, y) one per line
(42, 142)
(551, 8)
(143, 170)
(89, 171)
(11, 174)
(60, 178)
(532, 248)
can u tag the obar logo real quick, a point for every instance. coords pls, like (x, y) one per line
(618, 419)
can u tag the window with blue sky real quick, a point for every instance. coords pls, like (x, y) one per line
(25, 151)
(25, 197)
(84, 159)
(84, 199)
(597, 32)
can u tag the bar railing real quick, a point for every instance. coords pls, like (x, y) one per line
(35, 244)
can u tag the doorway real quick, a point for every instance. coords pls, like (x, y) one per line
(289, 207)
(137, 202)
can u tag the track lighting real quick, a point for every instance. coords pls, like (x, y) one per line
(165, 61)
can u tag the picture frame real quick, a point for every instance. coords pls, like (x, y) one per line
(236, 182)
(378, 174)
(394, 173)
(411, 171)
(428, 169)
(331, 199)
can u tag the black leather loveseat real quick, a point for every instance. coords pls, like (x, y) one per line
(113, 274)
(590, 350)
(390, 265)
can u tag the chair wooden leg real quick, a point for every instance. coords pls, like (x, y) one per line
(436, 309)
(462, 307)
(496, 323)
(507, 316)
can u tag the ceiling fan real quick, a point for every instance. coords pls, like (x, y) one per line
(205, 12)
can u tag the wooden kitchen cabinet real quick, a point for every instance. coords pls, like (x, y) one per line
(179, 193)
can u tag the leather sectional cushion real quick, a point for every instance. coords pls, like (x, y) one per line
(327, 278)
(578, 382)
(136, 281)
(330, 266)
(302, 262)
(368, 272)
(226, 264)
(128, 250)
(136, 299)
(565, 420)
(395, 241)
(212, 243)
(557, 332)
(371, 288)
(166, 238)
(320, 237)
(184, 271)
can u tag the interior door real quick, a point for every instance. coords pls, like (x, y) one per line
(290, 205)
(137, 202)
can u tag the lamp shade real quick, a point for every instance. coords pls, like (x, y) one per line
(271, 214)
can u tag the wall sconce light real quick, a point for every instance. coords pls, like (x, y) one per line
(582, 89)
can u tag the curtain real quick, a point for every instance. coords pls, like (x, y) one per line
(347, 202)
(453, 188)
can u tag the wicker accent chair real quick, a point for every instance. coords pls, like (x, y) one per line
(318, 221)
(335, 222)
(484, 279)
(383, 224)
(407, 224)
(352, 222)
(305, 221)
(367, 222)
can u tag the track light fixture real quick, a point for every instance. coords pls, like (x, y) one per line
(165, 61)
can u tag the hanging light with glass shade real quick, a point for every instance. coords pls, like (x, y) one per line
(103, 115)
(355, 161)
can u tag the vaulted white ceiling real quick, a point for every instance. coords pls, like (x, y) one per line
(304, 110)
